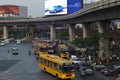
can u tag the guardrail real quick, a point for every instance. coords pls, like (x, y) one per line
(92, 7)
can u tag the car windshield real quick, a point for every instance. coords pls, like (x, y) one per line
(14, 47)
(65, 51)
(67, 68)
(76, 59)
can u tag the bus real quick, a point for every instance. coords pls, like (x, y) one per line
(35, 47)
(39, 47)
(64, 51)
(57, 66)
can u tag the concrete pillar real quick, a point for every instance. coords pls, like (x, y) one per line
(71, 32)
(52, 32)
(86, 30)
(100, 27)
(5, 32)
(31, 34)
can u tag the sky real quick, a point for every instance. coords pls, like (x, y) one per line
(35, 7)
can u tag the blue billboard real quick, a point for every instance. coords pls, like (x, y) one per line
(74, 5)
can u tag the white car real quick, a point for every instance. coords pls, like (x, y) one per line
(2, 43)
(75, 59)
(18, 41)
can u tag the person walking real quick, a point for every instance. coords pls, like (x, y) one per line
(8, 51)
(29, 52)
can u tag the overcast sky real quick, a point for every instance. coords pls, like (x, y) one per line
(35, 7)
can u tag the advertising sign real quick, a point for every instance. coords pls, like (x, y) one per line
(74, 5)
(55, 7)
(9, 10)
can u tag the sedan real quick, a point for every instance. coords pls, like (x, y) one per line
(55, 9)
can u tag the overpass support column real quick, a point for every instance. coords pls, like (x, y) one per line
(103, 43)
(86, 30)
(31, 32)
(52, 33)
(71, 32)
(5, 32)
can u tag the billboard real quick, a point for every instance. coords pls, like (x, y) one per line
(74, 5)
(9, 10)
(35, 7)
(13, 11)
(55, 7)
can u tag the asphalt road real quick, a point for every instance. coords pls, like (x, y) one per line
(25, 67)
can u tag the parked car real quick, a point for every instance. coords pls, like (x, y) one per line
(55, 9)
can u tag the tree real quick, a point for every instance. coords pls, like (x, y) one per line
(92, 42)
(63, 35)
(78, 42)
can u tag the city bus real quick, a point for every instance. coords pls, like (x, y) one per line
(57, 66)
(39, 47)
(42, 46)
(64, 51)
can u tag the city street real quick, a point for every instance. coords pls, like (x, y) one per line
(25, 67)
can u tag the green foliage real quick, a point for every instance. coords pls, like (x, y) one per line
(2, 39)
(63, 35)
(91, 43)
(93, 40)
(78, 41)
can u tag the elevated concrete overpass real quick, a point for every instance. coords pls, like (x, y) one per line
(102, 10)
(98, 14)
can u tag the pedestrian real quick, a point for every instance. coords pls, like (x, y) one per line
(29, 53)
(8, 51)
